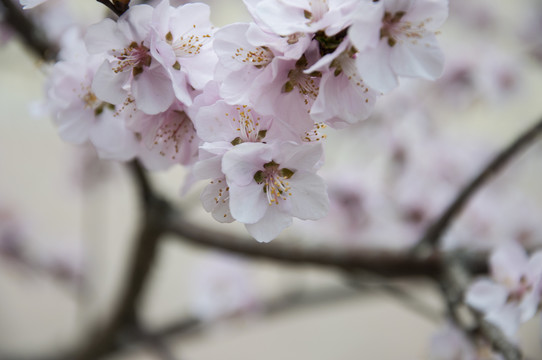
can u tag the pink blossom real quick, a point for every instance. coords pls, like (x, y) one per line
(168, 138)
(129, 67)
(270, 184)
(405, 43)
(512, 296)
(81, 116)
(182, 43)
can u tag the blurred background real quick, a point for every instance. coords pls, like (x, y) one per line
(67, 219)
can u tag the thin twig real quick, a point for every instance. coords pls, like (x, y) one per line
(437, 229)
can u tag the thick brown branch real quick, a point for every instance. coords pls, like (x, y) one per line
(390, 264)
(435, 231)
(33, 37)
(125, 313)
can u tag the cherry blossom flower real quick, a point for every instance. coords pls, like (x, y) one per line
(512, 296)
(405, 40)
(129, 68)
(343, 98)
(81, 116)
(181, 42)
(270, 184)
(167, 138)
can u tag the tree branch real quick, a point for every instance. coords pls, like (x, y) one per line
(125, 313)
(389, 264)
(34, 38)
(437, 229)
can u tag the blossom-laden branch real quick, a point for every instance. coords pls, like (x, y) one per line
(435, 232)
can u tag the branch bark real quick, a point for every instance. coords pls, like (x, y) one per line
(389, 264)
(142, 260)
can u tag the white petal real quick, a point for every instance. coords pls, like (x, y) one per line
(418, 58)
(104, 37)
(508, 263)
(485, 295)
(375, 69)
(248, 204)
(244, 160)
(108, 85)
(309, 200)
(270, 226)
(153, 91)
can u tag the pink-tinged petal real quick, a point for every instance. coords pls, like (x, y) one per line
(270, 226)
(375, 69)
(112, 139)
(209, 165)
(309, 200)
(105, 36)
(485, 295)
(529, 305)
(301, 157)
(281, 18)
(212, 123)
(180, 87)
(418, 58)
(227, 40)
(136, 22)
(248, 204)
(152, 91)
(244, 160)
(432, 13)
(365, 29)
(508, 263)
(534, 267)
(215, 199)
(199, 69)
(507, 319)
(74, 124)
(342, 101)
(108, 85)
(185, 17)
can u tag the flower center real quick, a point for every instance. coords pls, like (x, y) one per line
(188, 44)
(306, 84)
(259, 56)
(173, 132)
(274, 182)
(246, 125)
(134, 58)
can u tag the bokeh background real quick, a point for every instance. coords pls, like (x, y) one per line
(76, 216)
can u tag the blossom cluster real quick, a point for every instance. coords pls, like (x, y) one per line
(245, 105)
